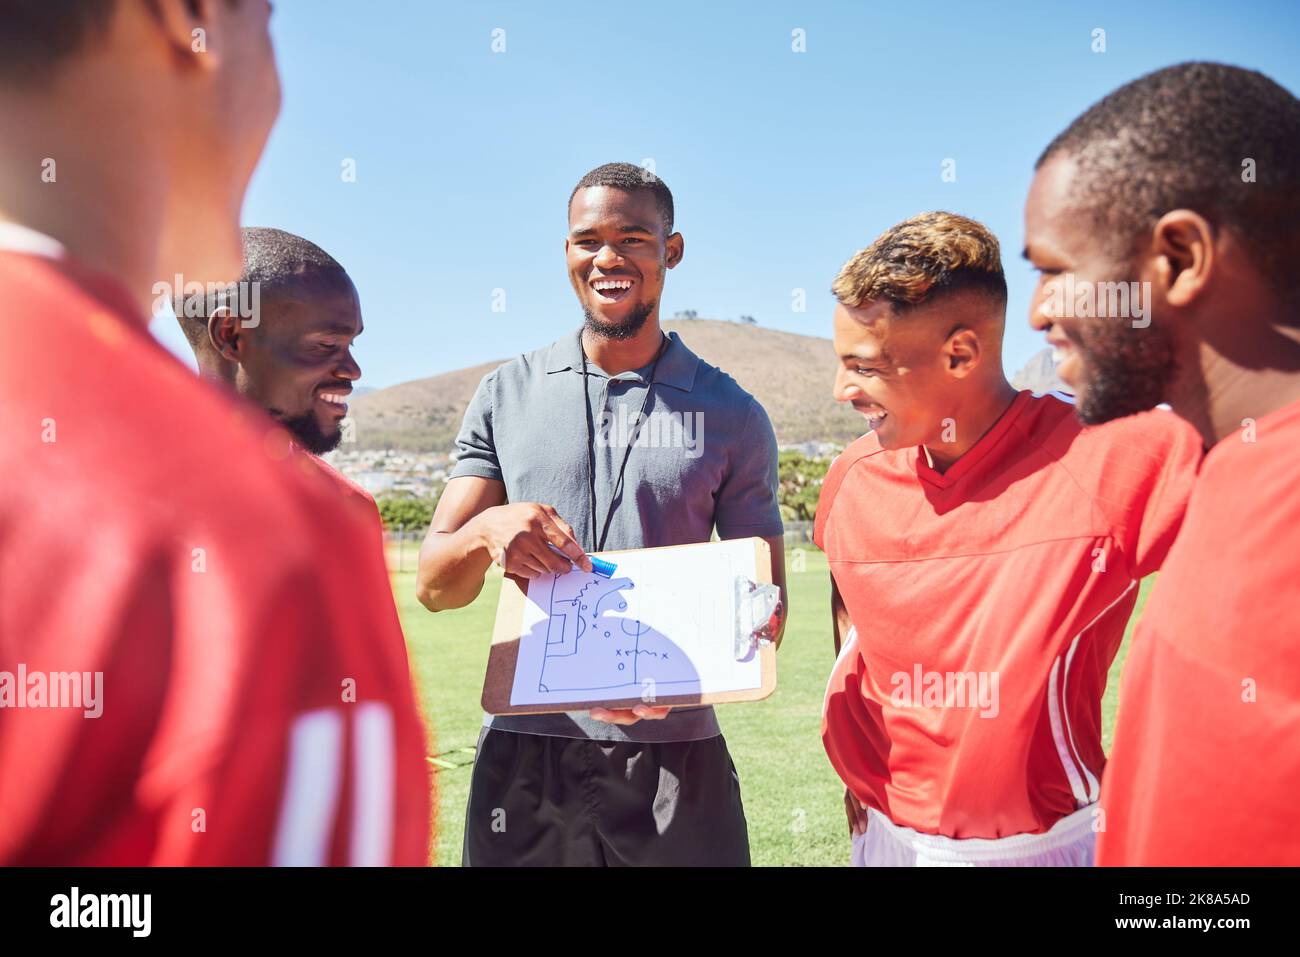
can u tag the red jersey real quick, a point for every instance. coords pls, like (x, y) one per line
(988, 602)
(195, 640)
(353, 495)
(350, 490)
(1205, 769)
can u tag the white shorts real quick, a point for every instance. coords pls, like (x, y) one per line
(1069, 843)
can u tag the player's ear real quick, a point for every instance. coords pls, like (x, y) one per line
(675, 248)
(1182, 246)
(962, 352)
(196, 30)
(226, 335)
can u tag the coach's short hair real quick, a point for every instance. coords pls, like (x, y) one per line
(273, 259)
(628, 177)
(924, 258)
(1220, 140)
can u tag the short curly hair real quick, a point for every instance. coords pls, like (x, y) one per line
(274, 260)
(1183, 137)
(923, 258)
(630, 178)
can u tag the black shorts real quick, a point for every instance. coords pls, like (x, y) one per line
(542, 800)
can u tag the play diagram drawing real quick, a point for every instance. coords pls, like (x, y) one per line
(664, 625)
(591, 638)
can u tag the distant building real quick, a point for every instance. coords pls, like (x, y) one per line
(375, 482)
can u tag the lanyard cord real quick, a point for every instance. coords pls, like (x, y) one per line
(599, 542)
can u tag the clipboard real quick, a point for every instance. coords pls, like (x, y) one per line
(503, 655)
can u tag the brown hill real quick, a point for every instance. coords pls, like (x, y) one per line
(790, 375)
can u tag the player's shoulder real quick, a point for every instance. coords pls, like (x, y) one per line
(1053, 421)
(852, 467)
(1046, 413)
(131, 453)
(344, 483)
(191, 437)
(349, 490)
(1119, 463)
(1160, 425)
(1264, 451)
(1157, 436)
(132, 431)
(863, 449)
(250, 459)
(859, 459)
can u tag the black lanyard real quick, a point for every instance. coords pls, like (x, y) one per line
(591, 443)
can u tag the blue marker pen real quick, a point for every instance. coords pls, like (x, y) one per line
(598, 565)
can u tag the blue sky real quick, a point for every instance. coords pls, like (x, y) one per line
(782, 164)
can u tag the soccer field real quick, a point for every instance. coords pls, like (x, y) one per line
(793, 800)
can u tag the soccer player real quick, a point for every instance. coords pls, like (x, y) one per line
(294, 357)
(985, 553)
(538, 468)
(215, 602)
(1185, 184)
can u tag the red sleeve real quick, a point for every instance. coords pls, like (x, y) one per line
(1155, 516)
(835, 476)
(1139, 471)
(825, 499)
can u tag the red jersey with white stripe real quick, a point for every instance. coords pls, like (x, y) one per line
(987, 604)
(1206, 764)
(232, 623)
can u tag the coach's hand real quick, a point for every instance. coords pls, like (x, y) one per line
(518, 537)
(857, 814)
(642, 712)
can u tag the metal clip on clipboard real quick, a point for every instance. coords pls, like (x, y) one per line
(757, 607)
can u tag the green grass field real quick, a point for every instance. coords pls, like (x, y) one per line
(793, 800)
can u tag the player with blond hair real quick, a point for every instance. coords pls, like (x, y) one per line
(985, 552)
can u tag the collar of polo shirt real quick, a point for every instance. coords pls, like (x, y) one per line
(676, 367)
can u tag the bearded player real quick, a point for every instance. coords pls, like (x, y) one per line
(985, 553)
(295, 358)
(1185, 184)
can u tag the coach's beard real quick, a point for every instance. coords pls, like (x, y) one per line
(626, 329)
